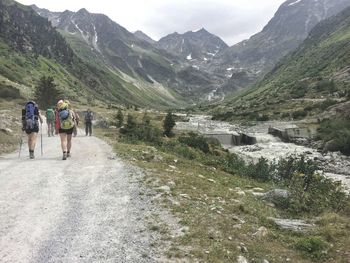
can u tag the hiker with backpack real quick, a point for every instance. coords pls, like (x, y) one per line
(88, 117)
(50, 120)
(30, 124)
(65, 126)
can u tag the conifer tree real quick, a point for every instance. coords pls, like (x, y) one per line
(169, 124)
(46, 93)
(120, 118)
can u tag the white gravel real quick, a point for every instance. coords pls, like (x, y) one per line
(85, 209)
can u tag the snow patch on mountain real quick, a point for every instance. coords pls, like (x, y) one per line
(294, 3)
(189, 57)
(95, 39)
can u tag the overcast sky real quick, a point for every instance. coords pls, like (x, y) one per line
(231, 20)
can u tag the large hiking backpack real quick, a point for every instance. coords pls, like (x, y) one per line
(50, 115)
(66, 119)
(30, 116)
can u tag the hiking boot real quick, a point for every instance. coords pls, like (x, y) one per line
(68, 154)
(31, 154)
(64, 156)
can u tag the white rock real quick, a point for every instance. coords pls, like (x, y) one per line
(165, 188)
(242, 259)
(262, 232)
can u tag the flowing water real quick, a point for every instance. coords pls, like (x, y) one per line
(332, 165)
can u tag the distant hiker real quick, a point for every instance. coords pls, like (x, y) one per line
(64, 126)
(76, 122)
(30, 124)
(88, 117)
(50, 119)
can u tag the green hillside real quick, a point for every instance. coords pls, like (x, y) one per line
(30, 48)
(305, 82)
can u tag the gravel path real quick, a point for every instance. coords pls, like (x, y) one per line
(85, 209)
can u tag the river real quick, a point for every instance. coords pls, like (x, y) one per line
(333, 164)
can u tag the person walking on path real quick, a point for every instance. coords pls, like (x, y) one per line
(76, 123)
(30, 124)
(88, 117)
(50, 120)
(65, 126)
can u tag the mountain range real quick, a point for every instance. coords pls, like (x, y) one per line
(309, 79)
(100, 57)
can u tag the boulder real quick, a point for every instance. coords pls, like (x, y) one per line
(242, 259)
(296, 225)
(278, 197)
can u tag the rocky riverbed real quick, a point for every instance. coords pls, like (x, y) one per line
(331, 164)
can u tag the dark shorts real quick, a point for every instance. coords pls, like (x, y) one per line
(35, 129)
(70, 131)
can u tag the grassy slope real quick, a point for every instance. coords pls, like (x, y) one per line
(133, 90)
(217, 221)
(312, 71)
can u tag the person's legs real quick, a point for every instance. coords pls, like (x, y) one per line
(63, 137)
(52, 128)
(69, 144)
(31, 143)
(86, 128)
(90, 128)
(49, 129)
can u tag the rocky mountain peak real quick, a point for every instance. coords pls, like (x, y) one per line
(82, 11)
(198, 45)
(288, 28)
(139, 34)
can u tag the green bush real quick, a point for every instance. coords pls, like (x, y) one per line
(314, 247)
(263, 117)
(195, 141)
(134, 131)
(327, 103)
(336, 135)
(299, 114)
(9, 92)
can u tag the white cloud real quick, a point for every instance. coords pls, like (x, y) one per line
(232, 20)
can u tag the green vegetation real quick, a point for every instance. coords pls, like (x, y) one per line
(169, 124)
(317, 70)
(336, 135)
(206, 184)
(9, 92)
(120, 118)
(46, 92)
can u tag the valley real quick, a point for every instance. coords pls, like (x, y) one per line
(201, 151)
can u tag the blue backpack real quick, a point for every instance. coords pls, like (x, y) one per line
(30, 116)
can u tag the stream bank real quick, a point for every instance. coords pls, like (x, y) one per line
(332, 164)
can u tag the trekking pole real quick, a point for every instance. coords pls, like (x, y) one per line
(41, 137)
(20, 145)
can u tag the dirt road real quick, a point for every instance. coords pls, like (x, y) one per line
(85, 209)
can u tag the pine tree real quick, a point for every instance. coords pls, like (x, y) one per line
(169, 124)
(120, 118)
(46, 93)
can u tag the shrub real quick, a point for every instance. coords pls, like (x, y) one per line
(337, 133)
(299, 114)
(120, 118)
(314, 247)
(195, 141)
(134, 131)
(263, 117)
(327, 103)
(9, 92)
(169, 124)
